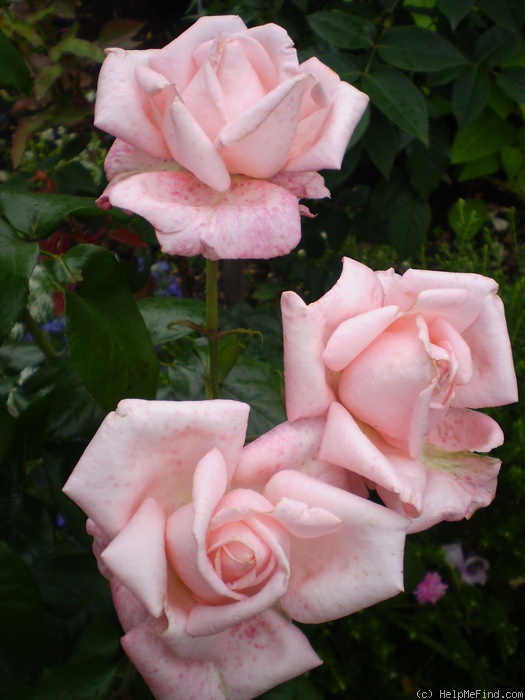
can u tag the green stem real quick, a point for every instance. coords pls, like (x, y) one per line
(39, 337)
(212, 326)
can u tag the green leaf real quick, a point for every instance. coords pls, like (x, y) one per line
(17, 260)
(73, 412)
(100, 638)
(343, 29)
(13, 71)
(228, 355)
(426, 166)
(454, 10)
(467, 216)
(77, 47)
(513, 159)
(381, 141)
(39, 215)
(470, 94)
(507, 13)
(162, 315)
(348, 67)
(108, 339)
(480, 168)
(21, 608)
(482, 137)
(512, 81)
(416, 49)
(255, 383)
(89, 679)
(399, 100)
(409, 226)
(497, 45)
(116, 32)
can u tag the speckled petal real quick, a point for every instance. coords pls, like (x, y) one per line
(117, 472)
(358, 565)
(253, 219)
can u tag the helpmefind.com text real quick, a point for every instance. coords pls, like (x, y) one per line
(470, 694)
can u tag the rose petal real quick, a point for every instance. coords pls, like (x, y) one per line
(458, 484)
(390, 386)
(253, 219)
(279, 47)
(258, 141)
(258, 654)
(191, 148)
(345, 444)
(174, 60)
(357, 566)
(123, 158)
(169, 677)
(292, 446)
(309, 185)
(110, 483)
(493, 380)
(264, 652)
(464, 430)
(348, 106)
(354, 335)
(137, 557)
(302, 521)
(118, 93)
(130, 610)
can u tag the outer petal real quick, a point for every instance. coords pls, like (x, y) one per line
(292, 446)
(493, 380)
(464, 430)
(169, 677)
(122, 108)
(458, 484)
(109, 484)
(357, 566)
(137, 557)
(264, 652)
(259, 654)
(306, 331)
(308, 185)
(345, 443)
(123, 158)
(253, 219)
(347, 108)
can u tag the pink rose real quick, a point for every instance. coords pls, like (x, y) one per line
(218, 135)
(206, 570)
(396, 363)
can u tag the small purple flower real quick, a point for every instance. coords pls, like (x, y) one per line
(57, 325)
(60, 521)
(472, 570)
(166, 282)
(431, 589)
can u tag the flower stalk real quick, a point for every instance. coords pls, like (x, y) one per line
(212, 327)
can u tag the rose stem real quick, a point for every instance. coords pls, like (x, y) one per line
(39, 337)
(212, 326)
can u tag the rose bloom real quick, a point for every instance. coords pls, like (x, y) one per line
(207, 567)
(219, 134)
(396, 363)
